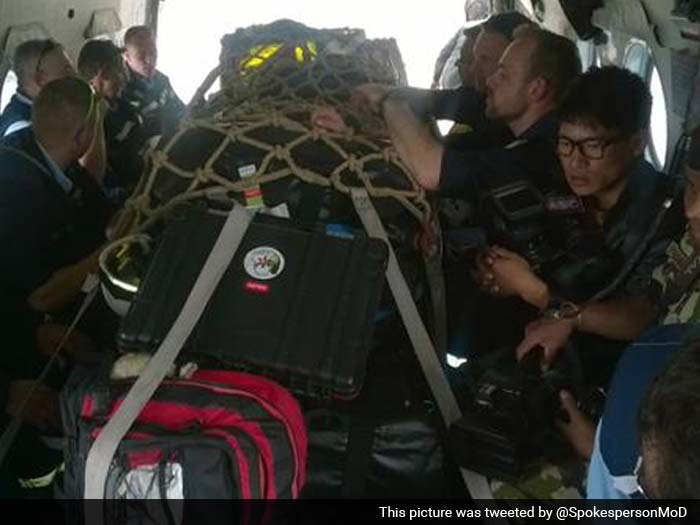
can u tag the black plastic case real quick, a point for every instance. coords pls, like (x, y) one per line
(305, 319)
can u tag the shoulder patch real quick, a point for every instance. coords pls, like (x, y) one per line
(516, 143)
(562, 203)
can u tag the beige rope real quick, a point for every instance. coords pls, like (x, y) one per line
(290, 80)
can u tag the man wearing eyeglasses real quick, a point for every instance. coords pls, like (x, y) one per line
(35, 63)
(672, 302)
(636, 210)
(602, 138)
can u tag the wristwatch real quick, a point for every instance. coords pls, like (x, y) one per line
(560, 309)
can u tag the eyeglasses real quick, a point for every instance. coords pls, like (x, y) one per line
(593, 148)
(49, 45)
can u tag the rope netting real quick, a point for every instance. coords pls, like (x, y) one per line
(257, 130)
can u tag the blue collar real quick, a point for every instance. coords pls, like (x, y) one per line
(21, 97)
(56, 172)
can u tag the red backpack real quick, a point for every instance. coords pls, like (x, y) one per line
(216, 435)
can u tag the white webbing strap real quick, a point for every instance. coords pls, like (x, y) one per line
(10, 433)
(477, 485)
(100, 457)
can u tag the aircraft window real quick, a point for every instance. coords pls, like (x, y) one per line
(8, 89)
(477, 9)
(589, 54)
(525, 6)
(659, 120)
(638, 59)
(538, 9)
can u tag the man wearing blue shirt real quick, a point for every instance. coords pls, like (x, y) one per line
(52, 222)
(35, 63)
(52, 213)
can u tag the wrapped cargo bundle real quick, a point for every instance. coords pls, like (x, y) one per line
(253, 142)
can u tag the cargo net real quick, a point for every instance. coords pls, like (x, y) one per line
(253, 140)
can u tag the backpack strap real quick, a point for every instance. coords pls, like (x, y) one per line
(438, 295)
(477, 485)
(102, 451)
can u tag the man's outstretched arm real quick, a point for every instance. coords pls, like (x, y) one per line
(414, 142)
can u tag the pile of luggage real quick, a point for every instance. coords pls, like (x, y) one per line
(250, 270)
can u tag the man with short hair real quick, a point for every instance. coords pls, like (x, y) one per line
(35, 63)
(101, 63)
(52, 213)
(497, 32)
(602, 138)
(532, 75)
(465, 105)
(148, 90)
(669, 462)
(673, 303)
(52, 221)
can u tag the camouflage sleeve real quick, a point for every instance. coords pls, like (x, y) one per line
(643, 279)
(647, 277)
(678, 297)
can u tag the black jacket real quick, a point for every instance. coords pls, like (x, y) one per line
(155, 100)
(46, 222)
(18, 110)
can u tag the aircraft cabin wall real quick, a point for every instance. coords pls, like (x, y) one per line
(650, 37)
(70, 22)
(632, 26)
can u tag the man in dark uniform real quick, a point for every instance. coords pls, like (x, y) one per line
(531, 79)
(100, 62)
(53, 215)
(466, 105)
(602, 138)
(659, 321)
(148, 90)
(35, 63)
(52, 223)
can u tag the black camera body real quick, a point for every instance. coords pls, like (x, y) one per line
(553, 232)
(509, 421)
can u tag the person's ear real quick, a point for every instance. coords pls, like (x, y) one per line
(40, 79)
(638, 142)
(83, 138)
(538, 89)
(79, 136)
(96, 81)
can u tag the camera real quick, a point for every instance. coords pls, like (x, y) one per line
(553, 232)
(510, 415)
